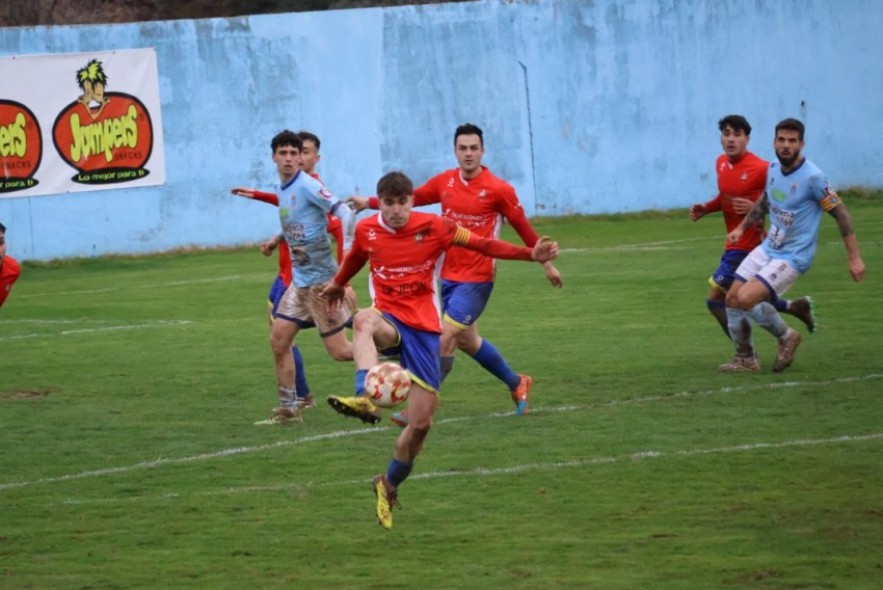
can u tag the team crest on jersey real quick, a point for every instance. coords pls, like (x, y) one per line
(482, 194)
(793, 188)
(450, 183)
(419, 236)
(372, 235)
(325, 193)
(744, 177)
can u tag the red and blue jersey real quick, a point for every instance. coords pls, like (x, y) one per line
(403, 263)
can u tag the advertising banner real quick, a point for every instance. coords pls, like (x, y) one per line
(79, 122)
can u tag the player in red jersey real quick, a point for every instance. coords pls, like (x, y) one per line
(473, 197)
(741, 180)
(9, 268)
(402, 249)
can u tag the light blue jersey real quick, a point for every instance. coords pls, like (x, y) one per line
(797, 200)
(303, 203)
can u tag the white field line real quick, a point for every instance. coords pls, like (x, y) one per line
(643, 246)
(515, 469)
(363, 431)
(113, 289)
(154, 324)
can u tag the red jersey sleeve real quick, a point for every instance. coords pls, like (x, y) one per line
(9, 273)
(271, 198)
(429, 193)
(460, 236)
(335, 230)
(510, 207)
(354, 261)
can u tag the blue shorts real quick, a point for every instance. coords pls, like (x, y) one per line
(463, 303)
(420, 352)
(725, 274)
(277, 289)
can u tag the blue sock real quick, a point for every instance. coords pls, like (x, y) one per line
(398, 471)
(300, 375)
(781, 305)
(447, 363)
(491, 359)
(360, 381)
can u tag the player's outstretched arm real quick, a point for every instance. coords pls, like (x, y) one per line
(358, 203)
(543, 251)
(250, 193)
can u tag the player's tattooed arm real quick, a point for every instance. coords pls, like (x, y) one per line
(758, 212)
(844, 220)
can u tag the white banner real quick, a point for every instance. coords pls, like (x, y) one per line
(79, 122)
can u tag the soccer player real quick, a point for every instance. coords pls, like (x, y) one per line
(309, 157)
(741, 178)
(402, 248)
(303, 205)
(9, 268)
(796, 195)
(473, 197)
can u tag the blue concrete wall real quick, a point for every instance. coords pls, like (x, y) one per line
(587, 106)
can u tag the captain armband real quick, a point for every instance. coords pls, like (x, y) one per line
(461, 236)
(830, 200)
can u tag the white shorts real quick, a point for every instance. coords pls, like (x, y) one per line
(775, 273)
(304, 307)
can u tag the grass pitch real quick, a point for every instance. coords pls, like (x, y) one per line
(129, 459)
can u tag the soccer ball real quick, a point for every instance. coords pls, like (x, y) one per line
(387, 384)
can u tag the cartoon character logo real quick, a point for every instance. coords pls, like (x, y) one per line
(106, 136)
(92, 81)
(21, 147)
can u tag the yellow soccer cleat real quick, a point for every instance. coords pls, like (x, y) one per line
(358, 407)
(387, 498)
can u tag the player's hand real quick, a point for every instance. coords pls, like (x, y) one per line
(243, 191)
(333, 295)
(544, 250)
(269, 246)
(357, 203)
(553, 274)
(741, 205)
(857, 269)
(698, 211)
(735, 235)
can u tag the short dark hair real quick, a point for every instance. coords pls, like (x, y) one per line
(308, 136)
(394, 184)
(791, 125)
(469, 129)
(736, 122)
(2, 228)
(286, 138)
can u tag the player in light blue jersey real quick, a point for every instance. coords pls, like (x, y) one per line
(797, 193)
(303, 205)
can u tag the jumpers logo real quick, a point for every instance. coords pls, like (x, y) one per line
(21, 147)
(106, 136)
